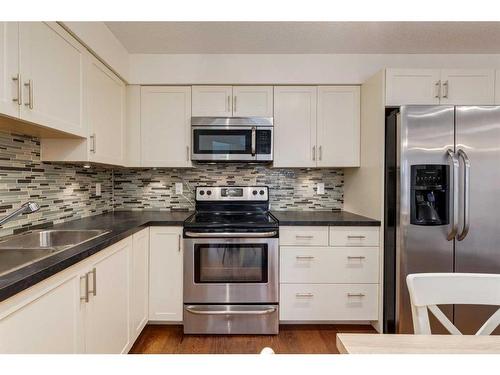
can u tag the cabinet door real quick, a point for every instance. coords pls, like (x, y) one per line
(46, 322)
(54, 64)
(165, 126)
(213, 101)
(106, 316)
(139, 286)
(295, 126)
(338, 126)
(106, 115)
(252, 101)
(412, 86)
(165, 274)
(10, 89)
(468, 86)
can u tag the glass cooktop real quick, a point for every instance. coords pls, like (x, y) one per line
(240, 219)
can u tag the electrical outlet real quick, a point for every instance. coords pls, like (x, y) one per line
(320, 188)
(178, 188)
(98, 189)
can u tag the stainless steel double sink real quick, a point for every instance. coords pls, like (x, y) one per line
(21, 250)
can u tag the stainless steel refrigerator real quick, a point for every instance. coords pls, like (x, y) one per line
(442, 189)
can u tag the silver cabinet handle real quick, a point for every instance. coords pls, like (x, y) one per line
(437, 89)
(187, 153)
(179, 243)
(234, 104)
(320, 152)
(355, 295)
(307, 257)
(303, 236)
(93, 143)
(19, 99)
(299, 295)
(314, 153)
(29, 85)
(86, 296)
(228, 103)
(355, 257)
(254, 136)
(94, 281)
(454, 206)
(351, 237)
(231, 234)
(466, 161)
(194, 310)
(445, 89)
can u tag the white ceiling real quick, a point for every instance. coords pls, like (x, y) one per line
(307, 37)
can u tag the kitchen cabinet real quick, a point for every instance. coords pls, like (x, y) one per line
(214, 101)
(440, 86)
(252, 101)
(107, 311)
(52, 67)
(139, 285)
(233, 101)
(165, 274)
(105, 142)
(10, 85)
(295, 126)
(338, 130)
(165, 126)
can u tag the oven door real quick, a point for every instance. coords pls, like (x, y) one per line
(224, 143)
(231, 270)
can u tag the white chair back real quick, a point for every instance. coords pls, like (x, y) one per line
(427, 290)
(267, 350)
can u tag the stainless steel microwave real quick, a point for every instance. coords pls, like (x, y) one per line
(243, 139)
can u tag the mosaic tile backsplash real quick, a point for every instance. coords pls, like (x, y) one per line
(290, 189)
(64, 192)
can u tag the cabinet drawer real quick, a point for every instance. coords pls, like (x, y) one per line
(306, 236)
(305, 302)
(354, 236)
(329, 264)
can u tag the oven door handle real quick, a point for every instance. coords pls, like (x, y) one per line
(194, 310)
(231, 234)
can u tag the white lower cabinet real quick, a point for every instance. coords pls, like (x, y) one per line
(165, 276)
(328, 302)
(139, 287)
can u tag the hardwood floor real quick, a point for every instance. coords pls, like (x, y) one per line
(292, 339)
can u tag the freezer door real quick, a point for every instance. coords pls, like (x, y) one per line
(478, 139)
(426, 134)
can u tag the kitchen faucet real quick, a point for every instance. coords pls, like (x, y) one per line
(26, 208)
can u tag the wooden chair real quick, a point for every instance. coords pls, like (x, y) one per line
(430, 289)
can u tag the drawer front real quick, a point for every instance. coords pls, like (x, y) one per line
(305, 302)
(329, 265)
(304, 236)
(354, 236)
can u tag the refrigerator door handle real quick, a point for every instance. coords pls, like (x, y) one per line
(466, 197)
(454, 206)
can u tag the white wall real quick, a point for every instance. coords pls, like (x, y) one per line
(285, 69)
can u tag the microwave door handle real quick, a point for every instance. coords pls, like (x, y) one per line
(254, 131)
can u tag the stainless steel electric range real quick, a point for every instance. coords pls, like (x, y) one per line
(231, 263)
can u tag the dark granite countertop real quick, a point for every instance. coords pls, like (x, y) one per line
(122, 224)
(316, 218)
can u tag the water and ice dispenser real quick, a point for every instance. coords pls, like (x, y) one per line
(429, 194)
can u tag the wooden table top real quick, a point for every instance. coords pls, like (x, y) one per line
(360, 343)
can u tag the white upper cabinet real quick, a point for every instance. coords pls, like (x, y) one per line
(52, 67)
(338, 134)
(212, 101)
(10, 85)
(468, 86)
(106, 115)
(412, 86)
(440, 86)
(295, 126)
(165, 126)
(252, 101)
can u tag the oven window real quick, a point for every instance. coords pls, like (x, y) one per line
(209, 141)
(230, 263)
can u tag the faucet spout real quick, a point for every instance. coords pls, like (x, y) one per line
(26, 208)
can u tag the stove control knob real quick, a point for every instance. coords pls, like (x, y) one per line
(261, 192)
(209, 192)
(254, 192)
(202, 192)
